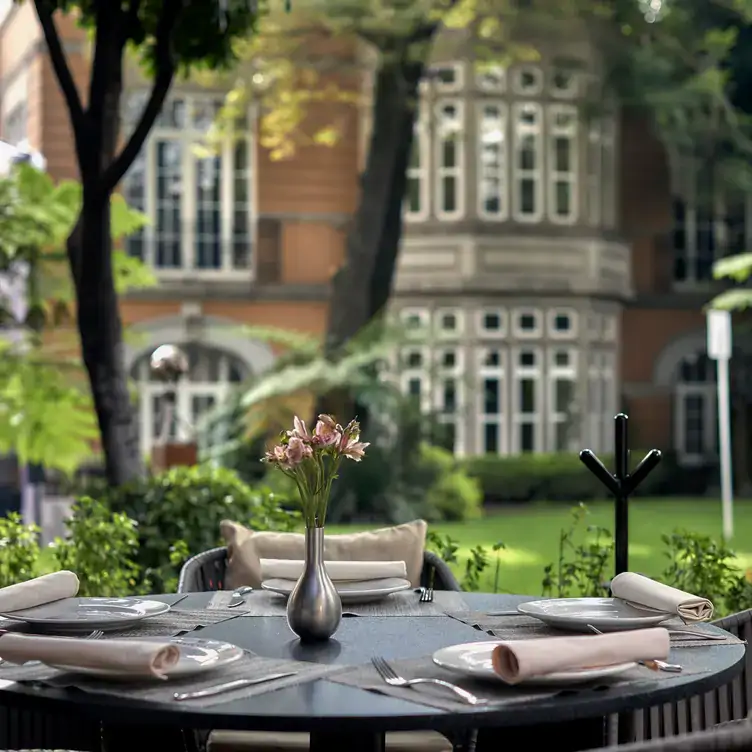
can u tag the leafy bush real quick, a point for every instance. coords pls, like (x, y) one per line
(19, 550)
(181, 509)
(449, 493)
(554, 477)
(101, 549)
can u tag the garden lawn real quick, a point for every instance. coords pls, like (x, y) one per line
(530, 533)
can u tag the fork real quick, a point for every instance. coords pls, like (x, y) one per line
(393, 679)
(426, 595)
(95, 635)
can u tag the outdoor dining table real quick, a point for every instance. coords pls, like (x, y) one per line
(344, 717)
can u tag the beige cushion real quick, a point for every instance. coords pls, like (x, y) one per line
(267, 741)
(245, 549)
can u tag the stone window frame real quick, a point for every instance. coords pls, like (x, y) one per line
(502, 332)
(572, 177)
(501, 418)
(458, 331)
(503, 168)
(456, 130)
(527, 334)
(453, 374)
(536, 418)
(537, 174)
(555, 373)
(551, 316)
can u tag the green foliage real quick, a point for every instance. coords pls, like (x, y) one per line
(584, 562)
(450, 494)
(446, 547)
(101, 549)
(19, 550)
(555, 477)
(178, 514)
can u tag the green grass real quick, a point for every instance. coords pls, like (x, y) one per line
(531, 532)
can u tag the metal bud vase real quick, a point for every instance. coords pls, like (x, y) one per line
(314, 608)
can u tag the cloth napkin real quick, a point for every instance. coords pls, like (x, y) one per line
(127, 657)
(643, 591)
(339, 571)
(518, 660)
(37, 592)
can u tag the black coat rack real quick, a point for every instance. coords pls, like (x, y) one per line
(621, 484)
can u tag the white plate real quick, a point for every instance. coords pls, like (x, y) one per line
(196, 657)
(474, 660)
(605, 614)
(366, 591)
(86, 614)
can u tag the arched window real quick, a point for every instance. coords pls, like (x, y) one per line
(211, 375)
(695, 415)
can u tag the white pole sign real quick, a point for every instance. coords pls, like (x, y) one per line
(719, 349)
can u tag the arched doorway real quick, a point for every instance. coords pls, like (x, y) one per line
(212, 373)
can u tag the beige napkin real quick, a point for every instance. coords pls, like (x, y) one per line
(127, 657)
(339, 571)
(643, 591)
(37, 592)
(524, 659)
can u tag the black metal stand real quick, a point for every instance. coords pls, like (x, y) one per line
(621, 484)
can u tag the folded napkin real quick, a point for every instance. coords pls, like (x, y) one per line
(127, 657)
(518, 660)
(643, 591)
(37, 592)
(339, 571)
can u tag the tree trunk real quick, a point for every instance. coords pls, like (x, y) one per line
(362, 286)
(102, 346)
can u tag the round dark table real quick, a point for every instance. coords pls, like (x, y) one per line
(343, 717)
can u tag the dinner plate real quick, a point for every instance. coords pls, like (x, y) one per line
(196, 656)
(365, 591)
(86, 614)
(474, 660)
(605, 614)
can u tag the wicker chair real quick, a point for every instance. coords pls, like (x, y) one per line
(732, 737)
(206, 571)
(730, 702)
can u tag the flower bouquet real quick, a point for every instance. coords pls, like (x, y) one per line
(311, 459)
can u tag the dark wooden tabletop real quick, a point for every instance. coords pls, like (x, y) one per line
(324, 706)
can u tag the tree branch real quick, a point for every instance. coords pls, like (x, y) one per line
(60, 66)
(107, 37)
(165, 72)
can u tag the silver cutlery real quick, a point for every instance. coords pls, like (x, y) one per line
(219, 689)
(655, 664)
(95, 635)
(388, 674)
(698, 635)
(426, 595)
(238, 596)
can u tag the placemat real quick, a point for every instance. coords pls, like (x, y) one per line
(366, 677)
(250, 667)
(406, 603)
(520, 627)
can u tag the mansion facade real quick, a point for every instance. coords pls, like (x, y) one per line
(557, 259)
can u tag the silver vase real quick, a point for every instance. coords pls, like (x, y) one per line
(314, 608)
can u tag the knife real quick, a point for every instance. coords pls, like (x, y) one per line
(219, 689)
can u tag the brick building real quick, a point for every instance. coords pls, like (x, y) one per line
(562, 263)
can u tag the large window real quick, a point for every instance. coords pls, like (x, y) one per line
(493, 406)
(199, 205)
(211, 374)
(492, 161)
(562, 164)
(695, 413)
(449, 159)
(708, 224)
(528, 162)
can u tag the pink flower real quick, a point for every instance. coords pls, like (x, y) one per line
(355, 450)
(297, 451)
(350, 433)
(299, 430)
(327, 431)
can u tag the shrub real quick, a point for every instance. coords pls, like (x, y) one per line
(554, 477)
(19, 550)
(101, 549)
(180, 510)
(450, 494)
